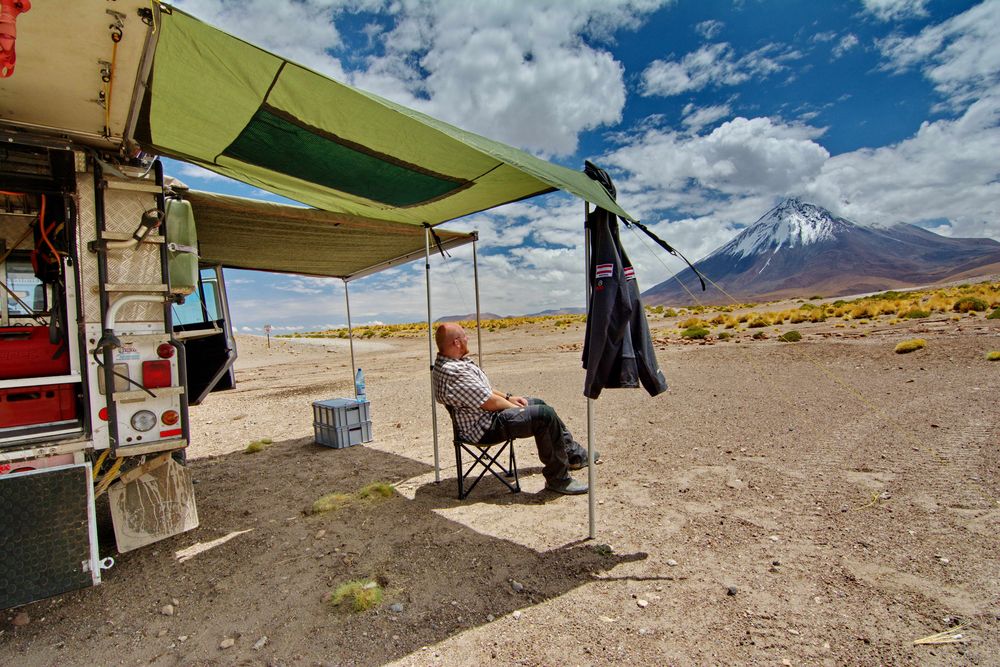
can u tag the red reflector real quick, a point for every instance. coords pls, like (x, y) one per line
(165, 351)
(103, 414)
(167, 434)
(170, 417)
(155, 374)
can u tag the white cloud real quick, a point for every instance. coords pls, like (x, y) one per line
(961, 56)
(895, 10)
(948, 169)
(741, 156)
(713, 65)
(846, 43)
(305, 285)
(709, 29)
(695, 118)
(523, 77)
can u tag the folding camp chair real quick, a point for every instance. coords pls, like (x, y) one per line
(483, 458)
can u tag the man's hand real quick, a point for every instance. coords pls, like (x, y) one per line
(519, 400)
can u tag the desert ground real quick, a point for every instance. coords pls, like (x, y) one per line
(825, 502)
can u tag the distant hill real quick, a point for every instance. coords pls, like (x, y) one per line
(800, 249)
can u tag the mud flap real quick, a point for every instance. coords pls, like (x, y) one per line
(153, 506)
(48, 537)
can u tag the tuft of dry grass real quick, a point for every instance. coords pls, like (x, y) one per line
(358, 595)
(330, 502)
(993, 355)
(377, 490)
(910, 345)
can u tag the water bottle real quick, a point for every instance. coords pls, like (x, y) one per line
(359, 385)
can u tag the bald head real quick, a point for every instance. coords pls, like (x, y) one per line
(451, 340)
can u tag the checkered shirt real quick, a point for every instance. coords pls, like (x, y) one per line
(463, 386)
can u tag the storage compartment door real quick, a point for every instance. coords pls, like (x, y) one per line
(48, 536)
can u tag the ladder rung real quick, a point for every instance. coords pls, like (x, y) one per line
(140, 395)
(134, 187)
(146, 337)
(132, 287)
(125, 236)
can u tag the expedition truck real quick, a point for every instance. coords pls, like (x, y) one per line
(109, 330)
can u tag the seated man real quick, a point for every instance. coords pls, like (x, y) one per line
(486, 416)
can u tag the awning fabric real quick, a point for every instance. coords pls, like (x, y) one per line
(253, 234)
(216, 101)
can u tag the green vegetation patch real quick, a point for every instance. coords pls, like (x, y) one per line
(725, 335)
(970, 303)
(330, 502)
(993, 355)
(916, 314)
(910, 345)
(995, 315)
(357, 595)
(377, 490)
(790, 337)
(695, 333)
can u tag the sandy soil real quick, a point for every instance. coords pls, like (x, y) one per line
(823, 502)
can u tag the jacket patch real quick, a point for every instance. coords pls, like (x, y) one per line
(605, 270)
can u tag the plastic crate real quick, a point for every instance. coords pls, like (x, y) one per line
(341, 412)
(25, 352)
(347, 436)
(26, 406)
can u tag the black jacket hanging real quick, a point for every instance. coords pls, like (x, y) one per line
(617, 351)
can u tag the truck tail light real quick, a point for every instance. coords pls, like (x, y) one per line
(170, 417)
(155, 374)
(165, 350)
(103, 414)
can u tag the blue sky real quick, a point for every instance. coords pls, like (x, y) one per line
(706, 114)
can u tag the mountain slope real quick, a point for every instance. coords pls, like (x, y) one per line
(799, 249)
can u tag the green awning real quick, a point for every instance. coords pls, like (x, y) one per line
(240, 233)
(233, 108)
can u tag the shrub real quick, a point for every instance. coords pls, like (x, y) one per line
(995, 315)
(330, 501)
(993, 355)
(670, 312)
(691, 322)
(915, 314)
(358, 595)
(790, 337)
(910, 345)
(377, 490)
(725, 335)
(760, 335)
(695, 333)
(968, 303)
(757, 323)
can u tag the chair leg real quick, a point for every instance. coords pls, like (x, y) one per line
(489, 463)
(461, 475)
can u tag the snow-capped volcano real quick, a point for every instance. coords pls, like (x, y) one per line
(798, 247)
(790, 224)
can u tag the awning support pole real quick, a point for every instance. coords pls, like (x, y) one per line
(430, 349)
(350, 338)
(591, 468)
(475, 277)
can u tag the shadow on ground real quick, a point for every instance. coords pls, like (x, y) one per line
(271, 580)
